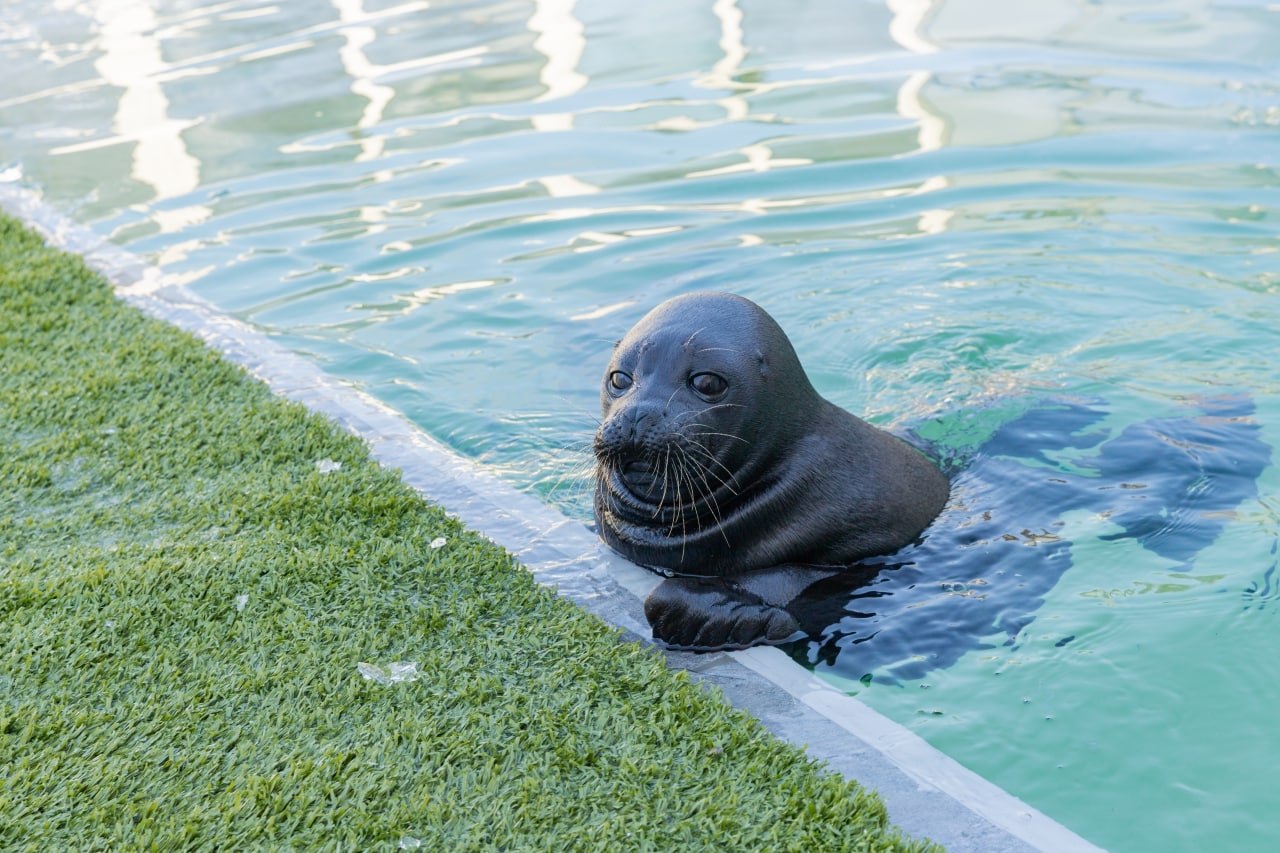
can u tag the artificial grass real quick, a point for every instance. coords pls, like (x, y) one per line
(185, 597)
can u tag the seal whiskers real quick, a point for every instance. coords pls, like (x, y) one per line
(713, 506)
(702, 451)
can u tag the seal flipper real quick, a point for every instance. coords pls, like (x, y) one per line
(711, 614)
(1183, 476)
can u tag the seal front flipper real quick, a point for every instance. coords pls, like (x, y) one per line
(709, 614)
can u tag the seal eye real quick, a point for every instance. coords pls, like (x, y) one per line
(709, 386)
(619, 382)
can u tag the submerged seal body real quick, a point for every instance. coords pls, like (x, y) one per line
(718, 463)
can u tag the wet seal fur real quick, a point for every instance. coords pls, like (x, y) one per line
(720, 465)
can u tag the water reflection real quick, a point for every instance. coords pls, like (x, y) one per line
(131, 60)
(724, 73)
(363, 76)
(909, 18)
(560, 40)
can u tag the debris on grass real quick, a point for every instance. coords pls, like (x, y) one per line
(395, 672)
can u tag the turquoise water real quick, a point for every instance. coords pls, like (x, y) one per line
(459, 206)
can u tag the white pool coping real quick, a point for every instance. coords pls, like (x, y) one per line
(928, 794)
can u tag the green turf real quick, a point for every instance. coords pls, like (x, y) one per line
(147, 487)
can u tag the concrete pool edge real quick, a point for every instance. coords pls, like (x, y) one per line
(927, 793)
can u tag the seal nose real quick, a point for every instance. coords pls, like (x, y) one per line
(629, 436)
(644, 430)
(644, 422)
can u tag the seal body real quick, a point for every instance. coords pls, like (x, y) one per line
(718, 463)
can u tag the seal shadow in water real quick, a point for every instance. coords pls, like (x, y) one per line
(984, 566)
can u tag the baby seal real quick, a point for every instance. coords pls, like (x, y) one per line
(719, 465)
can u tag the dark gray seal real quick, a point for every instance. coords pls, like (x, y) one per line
(721, 466)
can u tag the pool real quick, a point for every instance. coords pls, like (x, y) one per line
(948, 205)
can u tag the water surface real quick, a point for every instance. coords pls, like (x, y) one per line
(953, 207)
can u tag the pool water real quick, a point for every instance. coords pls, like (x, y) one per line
(960, 210)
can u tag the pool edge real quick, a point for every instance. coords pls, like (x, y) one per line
(927, 793)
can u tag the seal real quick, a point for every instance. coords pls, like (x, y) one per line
(719, 465)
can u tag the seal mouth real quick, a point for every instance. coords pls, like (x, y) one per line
(659, 492)
(664, 483)
(637, 484)
(640, 476)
